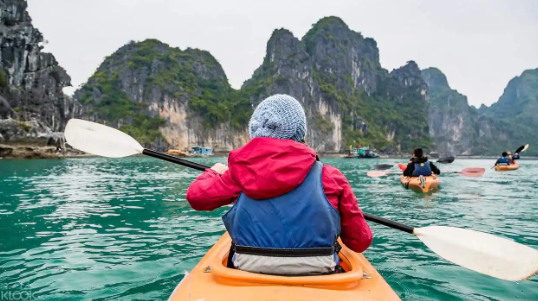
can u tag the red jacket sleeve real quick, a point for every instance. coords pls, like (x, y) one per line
(212, 190)
(356, 233)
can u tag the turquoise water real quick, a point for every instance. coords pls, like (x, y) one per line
(103, 229)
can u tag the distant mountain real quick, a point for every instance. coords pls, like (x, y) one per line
(350, 99)
(171, 98)
(458, 128)
(166, 97)
(335, 72)
(519, 102)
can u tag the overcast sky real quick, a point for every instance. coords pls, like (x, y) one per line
(480, 45)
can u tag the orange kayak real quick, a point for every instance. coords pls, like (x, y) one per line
(431, 183)
(513, 166)
(414, 182)
(211, 280)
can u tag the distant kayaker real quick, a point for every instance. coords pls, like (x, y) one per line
(503, 160)
(419, 165)
(289, 207)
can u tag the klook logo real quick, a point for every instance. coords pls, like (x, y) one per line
(16, 292)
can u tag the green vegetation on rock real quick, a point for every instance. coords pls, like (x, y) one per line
(114, 106)
(191, 74)
(394, 113)
(3, 80)
(519, 102)
(320, 67)
(23, 126)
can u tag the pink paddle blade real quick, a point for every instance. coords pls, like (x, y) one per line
(473, 172)
(376, 174)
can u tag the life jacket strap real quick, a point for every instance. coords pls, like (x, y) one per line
(230, 262)
(277, 252)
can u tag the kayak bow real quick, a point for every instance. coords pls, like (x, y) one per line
(211, 280)
(430, 184)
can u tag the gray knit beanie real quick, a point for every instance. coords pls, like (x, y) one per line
(279, 116)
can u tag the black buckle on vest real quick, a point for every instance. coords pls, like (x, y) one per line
(337, 247)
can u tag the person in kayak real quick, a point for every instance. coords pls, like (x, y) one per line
(503, 160)
(419, 166)
(289, 208)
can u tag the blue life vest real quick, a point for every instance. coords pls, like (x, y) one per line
(292, 234)
(503, 160)
(422, 169)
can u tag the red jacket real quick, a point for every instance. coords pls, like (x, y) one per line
(266, 168)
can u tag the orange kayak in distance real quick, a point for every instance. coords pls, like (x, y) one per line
(513, 166)
(414, 182)
(211, 280)
(431, 183)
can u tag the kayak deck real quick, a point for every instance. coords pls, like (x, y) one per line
(431, 183)
(507, 167)
(211, 280)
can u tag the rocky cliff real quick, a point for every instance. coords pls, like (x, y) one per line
(460, 129)
(519, 102)
(335, 72)
(349, 98)
(32, 104)
(452, 122)
(165, 97)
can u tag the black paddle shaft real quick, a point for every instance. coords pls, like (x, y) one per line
(173, 159)
(519, 149)
(367, 216)
(388, 223)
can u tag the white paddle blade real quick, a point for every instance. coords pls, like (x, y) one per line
(101, 140)
(481, 252)
(376, 174)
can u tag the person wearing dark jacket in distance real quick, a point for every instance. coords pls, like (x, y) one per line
(503, 160)
(285, 201)
(420, 166)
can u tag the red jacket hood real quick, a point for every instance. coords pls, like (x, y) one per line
(267, 167)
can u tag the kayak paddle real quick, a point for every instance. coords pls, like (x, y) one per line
(468, 172)
(521, 148)
(481, 252)
(378, 173)
(104, 141)
(478, 251)
(382, 166)
(446, 160)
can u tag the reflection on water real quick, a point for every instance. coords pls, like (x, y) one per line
(103, 229)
